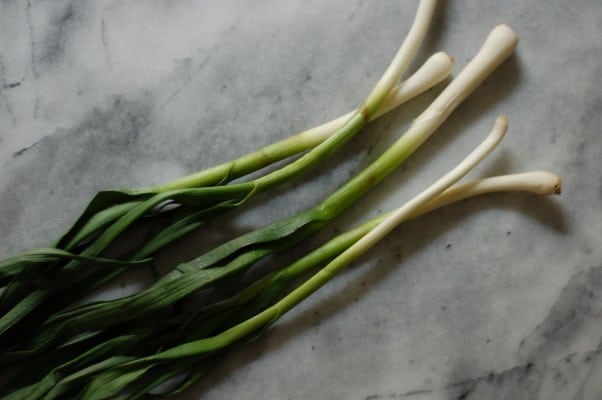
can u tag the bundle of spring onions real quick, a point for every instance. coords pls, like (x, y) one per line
(56, 345)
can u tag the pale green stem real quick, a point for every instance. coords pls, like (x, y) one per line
(372, 103)
(434, 71)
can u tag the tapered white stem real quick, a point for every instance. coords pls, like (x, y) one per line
(537, 182)
(436, 68)
(412, 206)
(402, 59)
(498, 46)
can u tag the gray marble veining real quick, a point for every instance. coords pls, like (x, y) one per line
(495, 298)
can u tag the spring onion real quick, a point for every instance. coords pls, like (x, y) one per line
(20, 299)
(128, 347)
(238, 254)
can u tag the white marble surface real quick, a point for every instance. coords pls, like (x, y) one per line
(496, 298)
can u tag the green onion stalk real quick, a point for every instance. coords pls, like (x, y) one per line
(257, 297)
(117, 378)
(198, 357)
(118, 210)
(236, 256)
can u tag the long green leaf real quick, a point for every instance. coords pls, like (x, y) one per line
(15, 265)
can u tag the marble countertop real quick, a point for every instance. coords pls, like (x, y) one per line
(495, 298)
